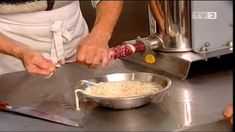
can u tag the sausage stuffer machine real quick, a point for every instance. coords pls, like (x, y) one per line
(182, 32)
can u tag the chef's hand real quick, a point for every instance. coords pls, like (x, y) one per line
(228, 113)
(35, 63)
(94, 50)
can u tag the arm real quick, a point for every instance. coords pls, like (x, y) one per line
(94, 48)
(8, 47)
(33, 61)
(107, 15)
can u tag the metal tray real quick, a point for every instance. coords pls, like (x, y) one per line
(128, 102)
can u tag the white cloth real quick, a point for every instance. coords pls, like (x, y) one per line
(55, 33)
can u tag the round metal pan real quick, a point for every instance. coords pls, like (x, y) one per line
(134, 101)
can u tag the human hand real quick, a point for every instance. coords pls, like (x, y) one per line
(228, 113)
(35, 63)
(94, 50)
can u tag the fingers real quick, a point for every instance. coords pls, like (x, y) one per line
(228, 113)
(86, 55)
(45, 65)
(37, 70)
(93, 59)
(81, 57)
(93, 56)
(93, 50)
(105, 59)
(35, 63)
(96, 61)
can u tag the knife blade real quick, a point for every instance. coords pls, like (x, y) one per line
(28, 111)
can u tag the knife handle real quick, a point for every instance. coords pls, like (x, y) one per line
(4, 106)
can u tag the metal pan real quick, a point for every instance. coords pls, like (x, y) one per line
(129, 102)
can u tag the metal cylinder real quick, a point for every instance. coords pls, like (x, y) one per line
(173, 24)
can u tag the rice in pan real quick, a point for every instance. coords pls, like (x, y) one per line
(122, 89)
(119, 90)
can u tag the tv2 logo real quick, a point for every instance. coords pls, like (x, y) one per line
(204, 15)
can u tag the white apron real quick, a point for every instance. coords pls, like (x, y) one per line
(54, 33)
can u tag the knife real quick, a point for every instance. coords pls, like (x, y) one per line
(38, 114)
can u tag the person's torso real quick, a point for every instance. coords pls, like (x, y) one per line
(55, 33)
(25, 6)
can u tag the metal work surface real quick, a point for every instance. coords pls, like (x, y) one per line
(193, 104)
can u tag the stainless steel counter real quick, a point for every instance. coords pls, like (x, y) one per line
(193, 104)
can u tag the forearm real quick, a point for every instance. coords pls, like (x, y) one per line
(107, 15)
(9, 47)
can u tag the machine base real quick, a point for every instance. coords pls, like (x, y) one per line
(175, 64)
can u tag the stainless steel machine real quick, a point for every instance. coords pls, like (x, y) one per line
(182, 32)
